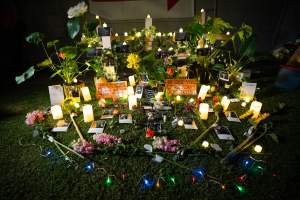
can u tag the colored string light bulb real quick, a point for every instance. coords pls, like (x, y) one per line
(157, 184)
(172, 180)
(241, 179)
(49, 153)
(240, 188)
(148, 183)
(89, 167)
(223, 186)
(247, 163)
(194, 179)
(108, 181)
(199, 172)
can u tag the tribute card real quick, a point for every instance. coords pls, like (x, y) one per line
(56, 93)
(183, 87)
(189, 123)
(111, 90)
(97, 126)
(107, 114)
(224, 76)
(232, 116)
(247, 91)
(223, 133)
(139, 91)
(61, 126)
(125, 118)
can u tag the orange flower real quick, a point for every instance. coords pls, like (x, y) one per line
(62, 55)
(170, 71)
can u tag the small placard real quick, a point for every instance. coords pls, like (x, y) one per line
(223, 133)
(149, 95)
(107, 114)
(189, 123)
(106, 42)
(111, 90)
(184, 87)
(97, 126)
(56, 93)
(139, 91)
(247, 91)
(232, 116)
(125, 119)
(104, 31)
(224, 76)
(180, 36)
(61, 126)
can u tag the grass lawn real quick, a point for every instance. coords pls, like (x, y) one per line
(25, 174)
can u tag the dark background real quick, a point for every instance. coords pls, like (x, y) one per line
(274, 22)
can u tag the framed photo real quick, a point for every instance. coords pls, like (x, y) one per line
(223, 133)
(97, 126)
(224, 76)
(61, 126)
(232, 116)
(189, 123)
(125, 118)
(107, 114)
(144, 78)
(139, 91)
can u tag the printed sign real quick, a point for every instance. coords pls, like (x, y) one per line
(111, 90)
(184, 87)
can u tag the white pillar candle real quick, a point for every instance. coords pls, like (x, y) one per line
(225, 103)
(148, 22)
(131, 80)
(203, 91)
(130, 91)
(132, 102)
(56, 112)
(88, 114)
(255, 108)
(203, 109)
(86, 94)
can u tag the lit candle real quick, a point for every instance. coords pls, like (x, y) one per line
(258, 148)
(202, 18)
(86, 94)
(56, 112)
(97, 16)
(130, 90)
(225, 103)
(104, 25)
(131, 80)
(132, 102)
(88, 114)
(116, 35)
(148, 22)
(203, 91)
(158, 96)
(205, 144)
(227, 33)
(102, 103)
(125, 34)
(255, 108)
(178, 98)
(181, 30)
(138, 34)
(180, 122)
(203, 109)
(158, 34)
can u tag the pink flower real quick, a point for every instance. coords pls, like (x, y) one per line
(83, 147)
(33, 117)
(106, 139)
(164, 144)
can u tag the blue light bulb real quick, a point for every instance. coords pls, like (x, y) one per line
(89, 166)
(199, 172)
(148, 183)
(247, 163)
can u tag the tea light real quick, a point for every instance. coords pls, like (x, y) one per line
(158, 96)
(132, 102)
(125, 34)
(97, 16)
(104, 25)
(244, 104)
(258, 148)
(131, 80)
(255, 108)
(180, 122)
(181, 30)
(205, 144)
(192, 100)
(102, 103)
(130, 90)
(116, 35)
(56, 112)
(203, 91)
(203, 109)
(178, 98)
(86, 94)
(88, 114)
(225, 103)
(148, 21)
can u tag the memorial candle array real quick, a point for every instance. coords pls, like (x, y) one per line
(86, 94)
(203, 109)
(88, 114)
(56, 112)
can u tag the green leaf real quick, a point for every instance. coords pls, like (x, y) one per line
(248, 47)
(73, 26)
(218, 67)
(34, 38)
(69, 51)
(46, 62)
(26, 75)
(274, 137)
(56, 73)
(52, 43)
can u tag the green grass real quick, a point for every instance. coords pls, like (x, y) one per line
(27, 175)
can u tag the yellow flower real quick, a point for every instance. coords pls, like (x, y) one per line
(133, 61)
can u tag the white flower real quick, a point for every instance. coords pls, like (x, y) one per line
(77, 10)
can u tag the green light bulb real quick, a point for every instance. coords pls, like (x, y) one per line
(241, 188)
(108, 181)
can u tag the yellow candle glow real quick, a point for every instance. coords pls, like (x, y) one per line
(203, 91)
(178, 98)
(203, 109)
(131, 80)
(132, 102)
(102, 103)
(180, 122)
(255, 108)
(104, 25)
(56, 112)
(97, 17)
(225, 103)
(158, 96)
(258, 148)
(138, 34)
(116, 35)
(130, 90)
(86, 94)
(88, 114)
(125, 34)
(158, 34)
(181, 30)
(205, 144)
(148, 22)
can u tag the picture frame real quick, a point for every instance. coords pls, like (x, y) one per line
(97, 126)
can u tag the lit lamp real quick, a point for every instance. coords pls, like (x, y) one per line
(148, 21)
(255, 108)
(88, 114)
(86, 94)
(132, 101)
(203, 91)
(225, 103)
(56, 112)
(203, 109)
(131, 80)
